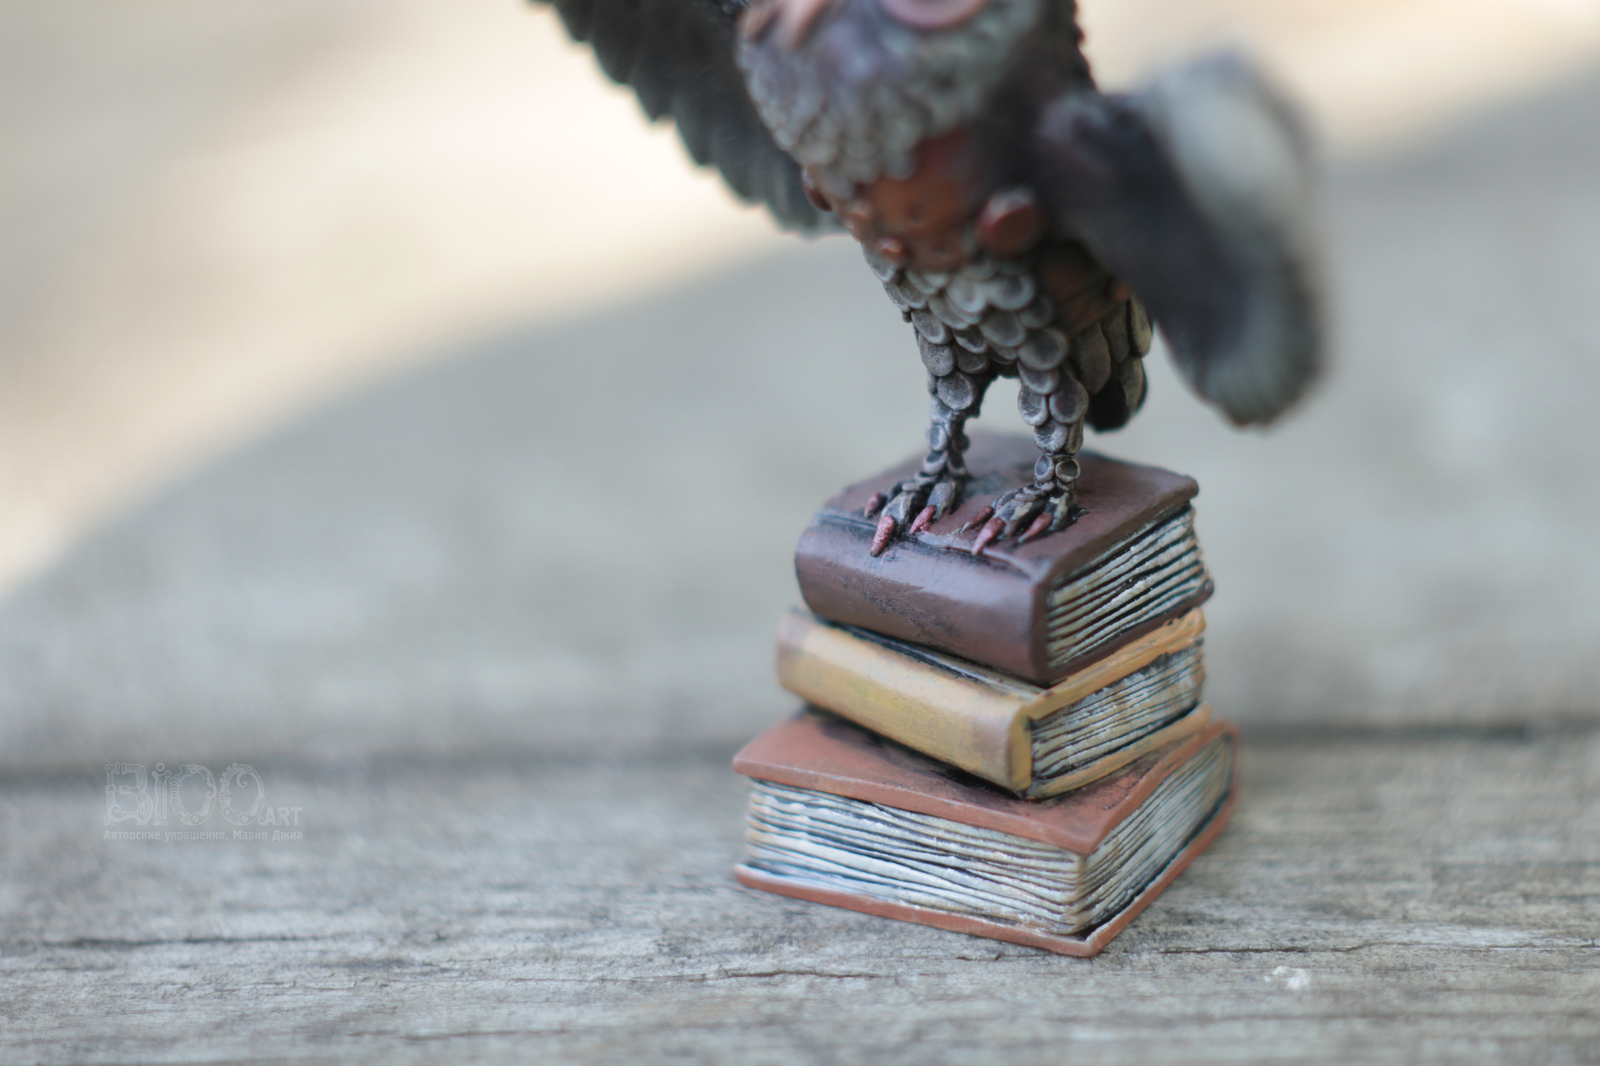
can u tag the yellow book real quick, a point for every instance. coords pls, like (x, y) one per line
(1034, 741)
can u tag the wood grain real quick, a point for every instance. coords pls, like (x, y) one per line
(1387, 897)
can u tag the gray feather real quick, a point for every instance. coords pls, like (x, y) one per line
(1196, 192)
(1243, 158)
(678, 57)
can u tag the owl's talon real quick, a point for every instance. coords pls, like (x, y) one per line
(989, 532)
(1021, 515)
(977, 520)
(881, 538)
(1025, 514)
(912, 507)
(1037, 528)
(1062, 513)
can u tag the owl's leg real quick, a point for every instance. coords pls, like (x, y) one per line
(1056, 409)
(917, 502)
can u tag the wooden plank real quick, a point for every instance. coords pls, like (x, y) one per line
(1386, 898)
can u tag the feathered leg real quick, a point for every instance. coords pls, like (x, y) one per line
(1095, 377)
(917, 502)
(957, 354)
(1047, 504)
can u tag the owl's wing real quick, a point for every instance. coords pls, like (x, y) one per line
(678, 56)
(1196, 192)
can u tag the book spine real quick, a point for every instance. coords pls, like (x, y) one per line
(949, 718)
(979, 609)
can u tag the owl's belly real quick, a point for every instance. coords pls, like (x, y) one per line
(1052, 318)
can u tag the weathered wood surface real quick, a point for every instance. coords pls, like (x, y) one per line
(1383, 899)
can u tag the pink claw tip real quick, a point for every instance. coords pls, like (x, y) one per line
(924, 520)
(978, 519)
(880, 539)
(1039, 525)
(988, 533)
(875, 504)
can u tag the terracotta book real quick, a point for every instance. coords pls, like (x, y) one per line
(1042, 610)
(841, 816)
(1033, 741)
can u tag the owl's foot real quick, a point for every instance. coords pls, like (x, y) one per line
(920, 501)
(1024, 513)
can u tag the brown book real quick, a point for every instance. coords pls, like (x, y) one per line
(1034, 741)
(841, 816)
(1040, 610)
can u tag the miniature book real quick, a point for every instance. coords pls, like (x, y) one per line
(841, 816)
(1041, 609)
(1033, 741)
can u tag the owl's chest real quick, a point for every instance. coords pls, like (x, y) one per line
(952, 209)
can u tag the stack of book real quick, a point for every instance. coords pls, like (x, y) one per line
(1010, 744)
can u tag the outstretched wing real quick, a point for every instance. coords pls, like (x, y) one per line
(1196, 192)
(678, 55)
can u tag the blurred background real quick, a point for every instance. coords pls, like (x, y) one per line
(374, 378)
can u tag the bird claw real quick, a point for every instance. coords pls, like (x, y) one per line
(977, 520)
(1020, 516)
(929, 501)
(990, 530)
(881, 538)
(1035, 529)
(1024, 514)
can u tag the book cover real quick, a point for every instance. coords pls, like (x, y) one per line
(1041, 610)
(843, 817)
(1032, 740)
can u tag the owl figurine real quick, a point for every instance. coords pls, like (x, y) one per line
(1024, 223)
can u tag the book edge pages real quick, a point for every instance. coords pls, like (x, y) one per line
(1085, 946)
(1111, 762)
(1171, 635)
(1133, 633)
(961, 720)
(1006, 818)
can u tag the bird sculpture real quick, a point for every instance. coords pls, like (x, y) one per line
(1025, 224)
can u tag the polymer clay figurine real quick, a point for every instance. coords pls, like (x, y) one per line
(1026, 224)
